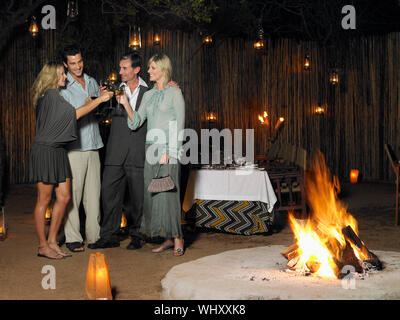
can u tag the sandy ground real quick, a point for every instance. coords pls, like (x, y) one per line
(137, 275)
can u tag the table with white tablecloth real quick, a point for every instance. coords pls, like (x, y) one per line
(238, 201)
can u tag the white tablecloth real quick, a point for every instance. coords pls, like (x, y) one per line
(235, 185)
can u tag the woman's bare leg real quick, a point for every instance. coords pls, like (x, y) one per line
(44, 192)
(63, 196)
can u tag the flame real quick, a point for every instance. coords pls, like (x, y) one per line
(320, 238)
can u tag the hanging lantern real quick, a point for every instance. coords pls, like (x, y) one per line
(72, 9)
(3, 229)
(47, 217)
(211, 117)
(33, 28)
(259, 44)
(319, 109)
(156, 39)
(307, 63)
(354, 175)
(98, 286)
(334, 78)
(207, 39)
(135, 40)
(112, 77)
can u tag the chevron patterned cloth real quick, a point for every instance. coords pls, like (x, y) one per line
(237, 217)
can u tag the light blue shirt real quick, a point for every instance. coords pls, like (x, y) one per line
(89, 137)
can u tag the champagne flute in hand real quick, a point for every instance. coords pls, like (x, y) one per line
(118, 91)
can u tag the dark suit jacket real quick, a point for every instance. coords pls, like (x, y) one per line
(126, 146)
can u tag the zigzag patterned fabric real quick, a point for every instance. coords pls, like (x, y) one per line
(238, 217)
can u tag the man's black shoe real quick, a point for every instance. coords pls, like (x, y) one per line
(102, 244)
(135, 244)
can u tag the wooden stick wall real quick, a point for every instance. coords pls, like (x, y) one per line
(236, 82)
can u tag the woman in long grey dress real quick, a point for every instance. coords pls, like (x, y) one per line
(49, 166)
(164, 109)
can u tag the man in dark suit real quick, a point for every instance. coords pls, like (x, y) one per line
(124, 163)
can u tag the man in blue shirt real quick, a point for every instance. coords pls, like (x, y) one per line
(83, 155)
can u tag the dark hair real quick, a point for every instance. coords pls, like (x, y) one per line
(136, 59)
(70, 51)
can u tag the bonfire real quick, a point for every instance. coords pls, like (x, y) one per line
(327, 242)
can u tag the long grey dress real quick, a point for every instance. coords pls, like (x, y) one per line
(56, 126)
(164, 111)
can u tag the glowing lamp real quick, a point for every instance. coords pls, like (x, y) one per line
(135, 40)
(98, 286)
(259, 45)
(211, 117)
(156, 39)
(123, 221)
(334, 78)
(354, 175)
(264, 118)
(3, 229)
(207, 39)
(279, 123)
(33, 28)
(307, 63)
(112, 76)
(319, 110)
(47, 216)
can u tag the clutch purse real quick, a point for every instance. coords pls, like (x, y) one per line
(160, 184)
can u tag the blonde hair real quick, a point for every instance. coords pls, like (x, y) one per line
(47, 79)
(164, 63)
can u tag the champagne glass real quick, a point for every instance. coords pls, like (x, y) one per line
(118, 91)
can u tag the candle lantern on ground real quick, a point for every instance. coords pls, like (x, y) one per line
(98, 285)
(124, 224)
(47, 217)
(3, 229)
(354, 175)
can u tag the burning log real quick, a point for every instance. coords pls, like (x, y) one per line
(367, 257)
(286, 252)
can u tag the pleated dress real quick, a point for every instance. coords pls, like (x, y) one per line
(164, 111)
(56, 126)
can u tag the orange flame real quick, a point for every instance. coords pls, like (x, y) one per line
(320, 239)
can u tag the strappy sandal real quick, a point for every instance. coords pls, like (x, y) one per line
(164, 247)
(55, 257)
(178, 252)
(75, 246)
(57, 249)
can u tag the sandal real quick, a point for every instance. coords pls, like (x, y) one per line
(57, 249)
(164, 246)
(53, 257)
(179, 251)
(75, 246)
